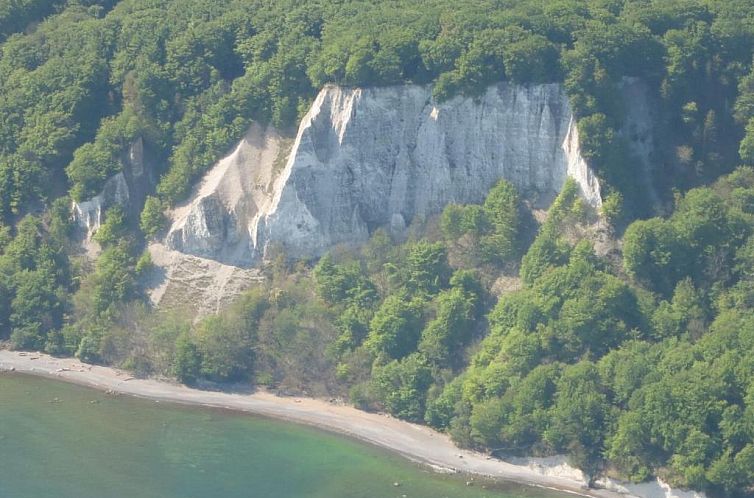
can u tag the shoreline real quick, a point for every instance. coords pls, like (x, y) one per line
(415, 442)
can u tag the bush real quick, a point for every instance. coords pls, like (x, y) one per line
(361, 396)
(29, 337)
(89, 349)
(502, 209)
(612, 209)
(396, 327)
(225, 346)
(401, 386)
(114, 229)
(188, 361)
(153, 219)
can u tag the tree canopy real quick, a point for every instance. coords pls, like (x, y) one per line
(627, 347)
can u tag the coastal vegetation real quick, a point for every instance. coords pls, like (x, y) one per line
(518, 336)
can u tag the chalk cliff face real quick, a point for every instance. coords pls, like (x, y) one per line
(127, 188)
(365, 158)
(216, 223)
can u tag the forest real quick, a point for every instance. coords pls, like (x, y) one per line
(515, 334)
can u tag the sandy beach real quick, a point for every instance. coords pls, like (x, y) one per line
(418, 443)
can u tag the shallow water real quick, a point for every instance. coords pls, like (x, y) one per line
(60, 440)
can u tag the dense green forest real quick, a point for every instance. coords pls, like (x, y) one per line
(513, 335)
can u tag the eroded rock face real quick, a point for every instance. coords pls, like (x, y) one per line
(365, 158)
(239, 189)
(127, 188)
(89, 214)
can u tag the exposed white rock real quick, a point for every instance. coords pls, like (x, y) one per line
(656, 488)
(89, 214)
(127, 188)
(365, 158)
(216, 221)
(557, 466)
(136, 158)
(195, 286)
(554, 466)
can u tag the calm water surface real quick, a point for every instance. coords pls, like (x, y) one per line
(59, 440)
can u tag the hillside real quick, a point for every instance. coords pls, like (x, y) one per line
(529, 224)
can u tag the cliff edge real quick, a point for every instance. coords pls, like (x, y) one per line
(365, 158)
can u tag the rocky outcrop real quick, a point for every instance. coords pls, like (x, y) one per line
(127, 188)
(558, 466)
(230, 198)
(89, 214)
(654, 488)
(365, 158)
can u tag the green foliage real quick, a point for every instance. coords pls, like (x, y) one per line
(5, 237)
(487, 418)
(533, 59)
(501, 208)
(114, 229)
(5, 300)
(88, 350)
(342, 284)
(627, 447)
(563, 208)
(90, 167)
(224, 348)
(113, 279)
(579, 416)
(456, 220)
(613, 209)
(596, 137)
(528, 405)
(643, 370)
(153, 219)
(35, 309)
(15, 15)
(546, 252)
(746, 149)
(549, 249)
(34, 279)
(491, 232)
(445, 337)
(144, 263)
(698, 241)
(353, 325)
(226, 343)
(442, 408)
(402, 385)
(395, 329)
(652, 254)
(482, 62)
(427, 267)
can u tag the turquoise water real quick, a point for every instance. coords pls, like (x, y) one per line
(59, 440)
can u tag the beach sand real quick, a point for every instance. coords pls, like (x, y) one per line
(416, 442)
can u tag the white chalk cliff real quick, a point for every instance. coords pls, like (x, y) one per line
(365, 158)
(127, 188)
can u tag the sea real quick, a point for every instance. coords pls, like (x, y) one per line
(60, 440)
